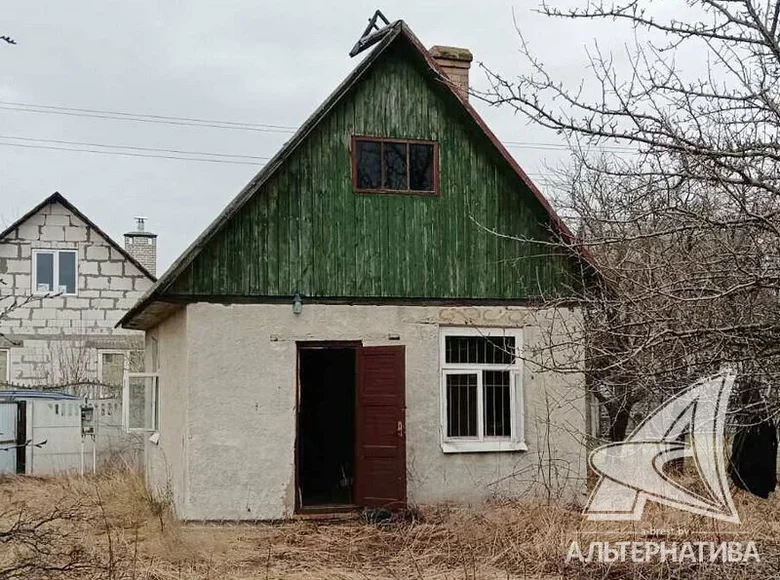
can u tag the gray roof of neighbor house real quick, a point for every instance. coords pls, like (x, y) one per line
(152, 307)
(25, 394)
(57, 197)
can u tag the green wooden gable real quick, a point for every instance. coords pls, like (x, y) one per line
(300, 228)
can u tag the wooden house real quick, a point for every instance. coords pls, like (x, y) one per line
(359, 327)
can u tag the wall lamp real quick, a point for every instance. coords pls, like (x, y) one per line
(297, 304)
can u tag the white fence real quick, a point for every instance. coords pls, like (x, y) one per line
(54, 441)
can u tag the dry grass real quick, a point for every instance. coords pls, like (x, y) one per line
(118, 530)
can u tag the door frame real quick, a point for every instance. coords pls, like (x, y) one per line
(17, 447)
(302, 345)
(21, 437)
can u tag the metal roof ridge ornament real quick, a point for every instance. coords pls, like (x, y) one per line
(372, 34)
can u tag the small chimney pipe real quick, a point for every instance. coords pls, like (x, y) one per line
(455, 62)
(142, 245)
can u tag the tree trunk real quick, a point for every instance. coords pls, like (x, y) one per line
(618, 421)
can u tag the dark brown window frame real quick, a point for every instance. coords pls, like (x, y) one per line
(383, 191)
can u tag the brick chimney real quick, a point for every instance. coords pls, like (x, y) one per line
(142, 245)
(455, 62)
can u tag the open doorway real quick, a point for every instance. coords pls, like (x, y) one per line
(326, 426)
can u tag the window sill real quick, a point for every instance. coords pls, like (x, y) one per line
(452, 446)
(397, 192)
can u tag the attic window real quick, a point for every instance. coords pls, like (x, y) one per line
(394, 166)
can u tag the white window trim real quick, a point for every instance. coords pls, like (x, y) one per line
(56, 271)
(517, 402)
(7, 377)
(126, 402)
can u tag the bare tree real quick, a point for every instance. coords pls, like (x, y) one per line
(684, 228)
(69, 365)
(11, 302)
(676, 297)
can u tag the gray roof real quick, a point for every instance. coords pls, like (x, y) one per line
(30, 394)
(57, 197)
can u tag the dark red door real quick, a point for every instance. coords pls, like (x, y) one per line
(380, 475)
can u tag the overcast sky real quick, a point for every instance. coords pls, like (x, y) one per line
(259, 62)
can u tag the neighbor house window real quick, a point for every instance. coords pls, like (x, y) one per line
(5, 363)
(481, 376)
(54, 271)
(112, 366)
(394, 166)
(140, 402)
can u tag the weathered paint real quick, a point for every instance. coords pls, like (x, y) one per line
(228, 396)
(306, 231)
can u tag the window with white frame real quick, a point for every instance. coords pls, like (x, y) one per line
(140, 402)
(112, 367)
(55, 271)
(481, 389)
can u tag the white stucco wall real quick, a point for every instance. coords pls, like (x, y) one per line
(166, 461)
(238, 392)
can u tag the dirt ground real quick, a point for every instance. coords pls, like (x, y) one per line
(110, 526)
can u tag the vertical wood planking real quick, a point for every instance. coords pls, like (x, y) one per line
(306, 230)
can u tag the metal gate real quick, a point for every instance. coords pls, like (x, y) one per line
(8, 443)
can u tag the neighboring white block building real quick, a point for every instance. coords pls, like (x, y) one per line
(64, 284)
